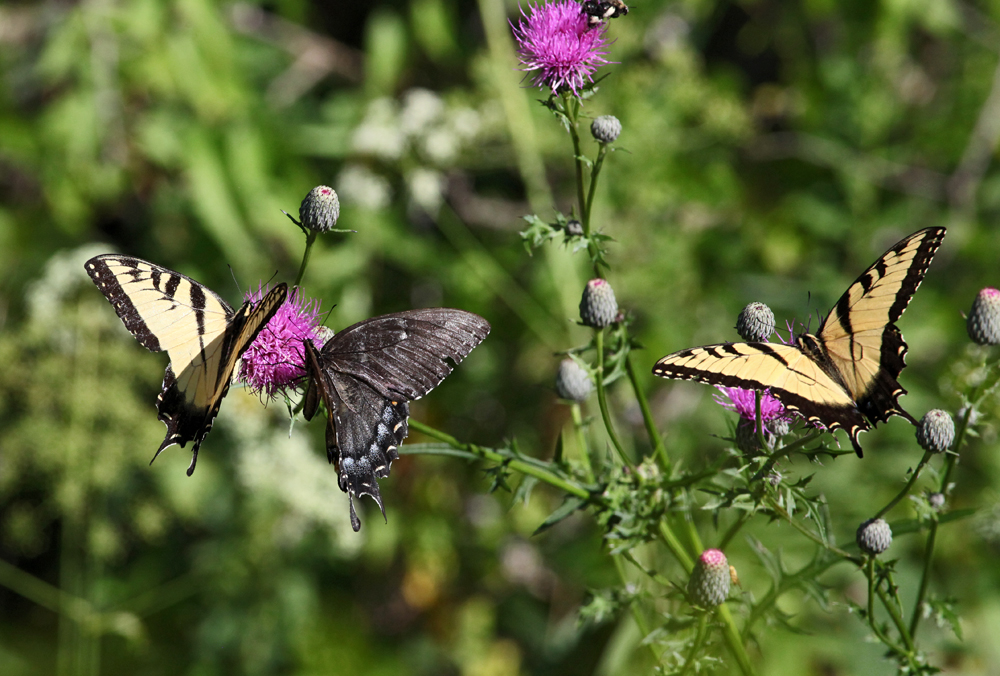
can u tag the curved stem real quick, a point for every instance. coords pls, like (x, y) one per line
(675, 546)
(594, 173)
(647, 417)
(734, 529)
(907, 487)
(733, 640)
(602, 400)
(897, 619)
(812, 536)
(519, 465)
(310, 239)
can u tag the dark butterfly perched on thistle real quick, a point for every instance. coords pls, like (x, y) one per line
(366, 374)
(844, 376)
(602, 10)
(200, 332)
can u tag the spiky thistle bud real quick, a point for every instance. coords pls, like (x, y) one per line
(320, 209)
(874, 536)
(710, 579)
(936, 431)
(598, 307)
(755, 323)
(984, 318)
(573, 382)
(606, 128)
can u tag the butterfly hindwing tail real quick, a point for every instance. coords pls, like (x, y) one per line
(366, 374)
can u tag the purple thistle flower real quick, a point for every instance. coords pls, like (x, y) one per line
(276, 359)
(744, 403)
(558, 42)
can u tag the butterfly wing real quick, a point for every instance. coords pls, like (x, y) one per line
(844, 376)
(859, 335)
(791, 374)
(200, 332)
(365, 376)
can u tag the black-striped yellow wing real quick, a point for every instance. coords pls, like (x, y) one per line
(859, 335)
(790, 372)
(200, 332)
(845, 375)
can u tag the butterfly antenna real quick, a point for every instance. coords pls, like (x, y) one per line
(235, 281)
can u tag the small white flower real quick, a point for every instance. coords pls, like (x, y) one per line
(359, 185)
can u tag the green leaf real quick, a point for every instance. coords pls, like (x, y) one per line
(569, 505)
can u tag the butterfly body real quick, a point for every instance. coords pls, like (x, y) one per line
(843, 376)
(365, 376)
(203, 336)
(598, 11)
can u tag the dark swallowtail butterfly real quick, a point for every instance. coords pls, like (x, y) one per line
(366, 374)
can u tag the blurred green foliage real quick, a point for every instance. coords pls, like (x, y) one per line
(770, 152)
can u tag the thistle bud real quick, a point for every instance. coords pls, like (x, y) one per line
(573, 382)
(755, 323)
(320, 209)
(983, 322)
(574, 227)
(606, 128)
(936, 500)
(874, 536)
(710, 579)
(936, 431)
(598, 307)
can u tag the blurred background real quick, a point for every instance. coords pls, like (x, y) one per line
(771, 151)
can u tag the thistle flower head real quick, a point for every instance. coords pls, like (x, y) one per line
(709, 583)
(755, 323)
(983, 322)
(772, 411)
(874, 536)
(559, 45)
(276, 359)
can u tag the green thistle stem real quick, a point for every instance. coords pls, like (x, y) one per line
(310, 239)
(733, 640)
(675, 547)
(513, 463)
(698, 642)
(734, 529)
(647, 417)
(581, 440)
(602, 400)
(571, 108)
(949, 466)
(897, 619)
(594, 173)
(906, 489)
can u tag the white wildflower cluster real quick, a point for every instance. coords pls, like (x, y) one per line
(284, 468)
(49, 298)
(423, 134)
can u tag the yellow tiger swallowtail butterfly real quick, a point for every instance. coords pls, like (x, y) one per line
(200, 332)
(845, 375)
